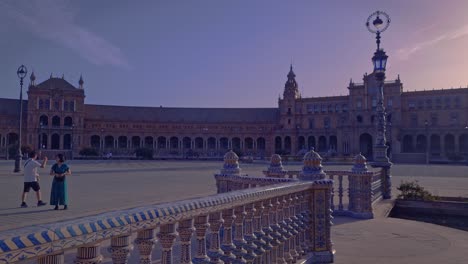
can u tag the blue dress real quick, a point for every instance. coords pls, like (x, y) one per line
(59, 193)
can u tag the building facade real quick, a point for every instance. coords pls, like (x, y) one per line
(421, 125)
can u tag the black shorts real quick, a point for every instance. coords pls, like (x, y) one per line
(34, 185)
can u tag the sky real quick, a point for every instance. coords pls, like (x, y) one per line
(221, 53)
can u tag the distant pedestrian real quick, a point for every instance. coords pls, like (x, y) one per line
(59, 192)
(31, 178)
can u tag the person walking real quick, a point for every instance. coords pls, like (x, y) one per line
(31, 178)
(59, 192)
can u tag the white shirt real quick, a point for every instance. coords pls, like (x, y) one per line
(30, 170)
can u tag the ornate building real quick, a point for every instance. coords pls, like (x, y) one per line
(421, 124)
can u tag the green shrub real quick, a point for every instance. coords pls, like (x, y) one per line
(144, 153)
(413, 191)
(89, 152)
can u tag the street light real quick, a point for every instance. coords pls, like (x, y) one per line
(21, 72)
(377, 23)
(426, 125)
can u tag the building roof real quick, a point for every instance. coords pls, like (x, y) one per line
(56, 83)
(189, 115)
(11, 106)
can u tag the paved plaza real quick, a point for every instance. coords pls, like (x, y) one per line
(99, 186)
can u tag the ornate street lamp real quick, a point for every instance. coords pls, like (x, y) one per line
(21, 72)
(377, 23)
(426, 126)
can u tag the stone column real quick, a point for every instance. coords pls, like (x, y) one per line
(227, 246)
(267, 231)
(89, 255)
(215, 252)
(239, 241)
(145, 242)
(120, 249)
(287, 229)
(249, 235)
(262, 245)
(167, 235)
(54, 258)
(185, 230)
(201, 225)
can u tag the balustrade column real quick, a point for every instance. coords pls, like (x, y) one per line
(185, 231)
(322, 251)
(332, 199)
(287, 233)
(167, 235)
(145, 242)
(55, 258)
(120, 249)
(268, 231)
(215, 252)
(260, 242)
(299, 223)
(239, 240)
(227, 246)
(279, 225)
(201, 225)
(300, 244)
(249, 235)
(89, 255)
(294, 227)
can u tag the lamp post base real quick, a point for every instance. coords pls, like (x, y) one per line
(18, 161)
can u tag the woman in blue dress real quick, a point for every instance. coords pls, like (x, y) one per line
(59, 193)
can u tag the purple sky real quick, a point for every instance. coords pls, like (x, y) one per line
(213, 53)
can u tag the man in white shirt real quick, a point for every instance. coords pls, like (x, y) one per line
(31, 178)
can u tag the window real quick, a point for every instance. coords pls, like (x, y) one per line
(434, 119)
(41, 104)
(324, 108)
(56, 105)
(359, 119)
(326, 122)
(429, 103)
(358, 104)
(414, 120)
(411, 105)
(345, 108)
(447, 102)
(310, 108)
(65, 106)
(337, 108)
(47, 104)
(374, 102)
(420, 104)
(311, 123)
(330, 108)
(72, 106)
(438, 103)
(454, 119)
(390, 103)
(316, 108)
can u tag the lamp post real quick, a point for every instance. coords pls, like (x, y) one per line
(71, 142)
(377, 23)
(426, 126)
(21, 72)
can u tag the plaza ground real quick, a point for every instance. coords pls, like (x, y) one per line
(99, 186)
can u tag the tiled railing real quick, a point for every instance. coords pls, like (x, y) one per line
(274, 224)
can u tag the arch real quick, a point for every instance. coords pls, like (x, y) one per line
(463, 143)
(136, 141)
(407, 144)
(333, 143)
(187, 143)
(278, 145)
(435, 143)
(248, 143)
(301, 144)
(322, 144)
(162, 142)
(12, 139)
(421, 144)
(149, 142)
(95, 141)
(109, 142)
(43, 140)
(199, 143)
(224, 143)
(55, 141)
(449, 142)
(68, 121)
(211, 142)
(261, 143)
(67, 141)
(365, 146)
(287, 144)
(122, 142)
(56, 121)
(43, 120)
(236, 143)
(311, 142)
(174, 142)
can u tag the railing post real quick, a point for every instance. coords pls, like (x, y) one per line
(215, 252)
(294, 227)
(280, 225)
(54, 258)
(275, 234)
(226, 245)
(145, 242)
(360, 189)
(185, 230)
(201, 225)
(120, 249)
(167, 235)
(89, 254)
(239, 240)
(275, 169)
(267, 231)
(261, 242)
(252, 249)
